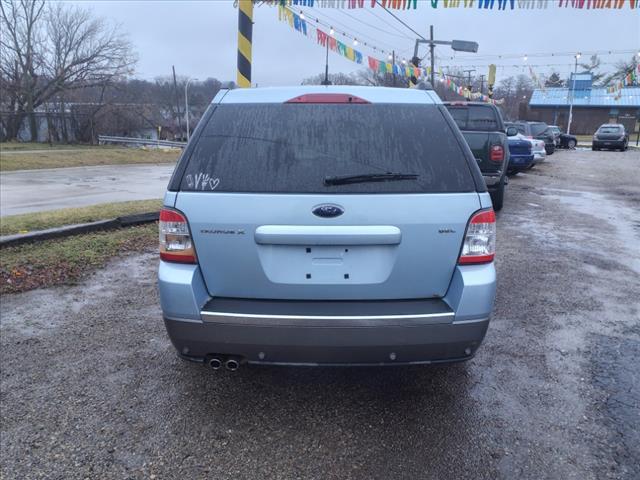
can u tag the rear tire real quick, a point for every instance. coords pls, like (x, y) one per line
(595, 149)
(497, 196)
(571, 144)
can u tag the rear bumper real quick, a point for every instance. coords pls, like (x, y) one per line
(539, 157)
(608, 143)
(301, 345)
(520, 162)
(492, 180)
(362, 333)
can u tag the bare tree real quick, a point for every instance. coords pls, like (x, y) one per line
(20, 40)
(50, 49)
(622, 69)
(592, 67)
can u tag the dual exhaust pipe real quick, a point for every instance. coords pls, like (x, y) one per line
(230, 363)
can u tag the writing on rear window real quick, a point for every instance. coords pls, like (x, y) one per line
(201, 181)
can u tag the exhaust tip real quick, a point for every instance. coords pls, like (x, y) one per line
(215, 363)
(232, 365)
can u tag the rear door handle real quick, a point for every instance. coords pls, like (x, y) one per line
(327, 235)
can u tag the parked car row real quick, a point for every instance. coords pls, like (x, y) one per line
(563, 140)
(528, 151)
(609, 136)
(502, 148)
(484, 130)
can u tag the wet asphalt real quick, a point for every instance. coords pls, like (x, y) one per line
(27, 191)
(92, 388)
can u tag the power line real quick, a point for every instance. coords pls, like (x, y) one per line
(398, 19)
(374, 26)
(560, 54)
(388, 24)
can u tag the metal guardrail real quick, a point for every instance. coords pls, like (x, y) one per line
(102, 139)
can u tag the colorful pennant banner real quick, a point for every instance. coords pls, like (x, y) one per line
(323, 38)
(632, 79)
(478, 4)
(298, 23)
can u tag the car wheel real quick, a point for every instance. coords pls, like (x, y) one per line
(595, 149)
(626, 146)
(571, 144)
(497, 197)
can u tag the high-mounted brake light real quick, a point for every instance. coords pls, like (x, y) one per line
(327, 98)
(497, 153)
(480, 240)
(175, 239)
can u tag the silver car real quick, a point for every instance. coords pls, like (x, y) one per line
(326, 226)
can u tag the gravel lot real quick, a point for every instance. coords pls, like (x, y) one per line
(91, 387)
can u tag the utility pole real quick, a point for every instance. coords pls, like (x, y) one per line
(175, 96)
(457, 45)
(245, 33)
(482, 84)
(469, 86)
(393, 59)
(573, 94)
(326, 67)
(432, 48)
(186, 104)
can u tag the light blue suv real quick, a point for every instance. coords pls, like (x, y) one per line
(326, 226)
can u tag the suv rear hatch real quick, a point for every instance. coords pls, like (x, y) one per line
(259, 171)
(609, 133)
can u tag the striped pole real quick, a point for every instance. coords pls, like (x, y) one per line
(245, 29)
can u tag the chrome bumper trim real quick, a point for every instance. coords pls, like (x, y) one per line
(326, 321)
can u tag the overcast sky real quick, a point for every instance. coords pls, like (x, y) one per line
(199, 37)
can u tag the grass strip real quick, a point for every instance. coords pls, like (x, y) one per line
(65, 261)
(29, 222)
(80, 156)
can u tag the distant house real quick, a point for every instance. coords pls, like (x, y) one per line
(592, 106)
(84, 121)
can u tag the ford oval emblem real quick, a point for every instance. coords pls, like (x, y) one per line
(327, 211)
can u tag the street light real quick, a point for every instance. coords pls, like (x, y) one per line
(573, 94)
(457, 45)
(186, 104)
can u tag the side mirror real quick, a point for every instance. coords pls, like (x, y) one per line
(512, 131)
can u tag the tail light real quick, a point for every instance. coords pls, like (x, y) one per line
(497, 153)
(480, 241)
(175, 239)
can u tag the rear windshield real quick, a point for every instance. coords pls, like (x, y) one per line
(292, 148)
(609, 129)
(474, 117)
(538, 128)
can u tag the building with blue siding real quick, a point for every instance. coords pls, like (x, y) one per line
(592, 106)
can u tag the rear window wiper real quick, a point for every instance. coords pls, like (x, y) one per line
(369, 177)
